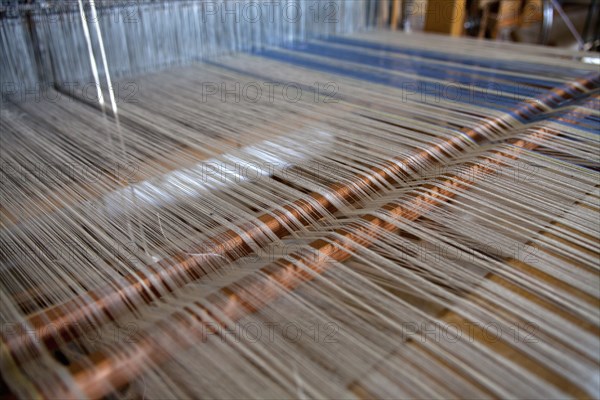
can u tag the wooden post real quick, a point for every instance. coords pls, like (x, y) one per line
(396, 14)
(445, 16)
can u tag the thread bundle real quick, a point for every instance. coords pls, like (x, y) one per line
(360, 232)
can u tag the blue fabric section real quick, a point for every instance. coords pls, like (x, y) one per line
(428, 68)
(462, 59)
(491, 87)
(417, 89)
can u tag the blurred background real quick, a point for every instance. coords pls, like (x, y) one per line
(564, 23)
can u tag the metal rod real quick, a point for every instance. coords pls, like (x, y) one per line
(569, 24)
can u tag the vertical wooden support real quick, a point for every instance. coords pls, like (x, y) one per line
(396, 14)
(445, 16)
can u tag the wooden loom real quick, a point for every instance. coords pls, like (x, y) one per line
(339, 222)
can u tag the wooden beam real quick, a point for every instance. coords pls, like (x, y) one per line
(396, 14)
(445, 16)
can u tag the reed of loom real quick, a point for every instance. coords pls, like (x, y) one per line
(110, 371)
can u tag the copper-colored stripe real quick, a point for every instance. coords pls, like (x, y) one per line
(62, 319)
